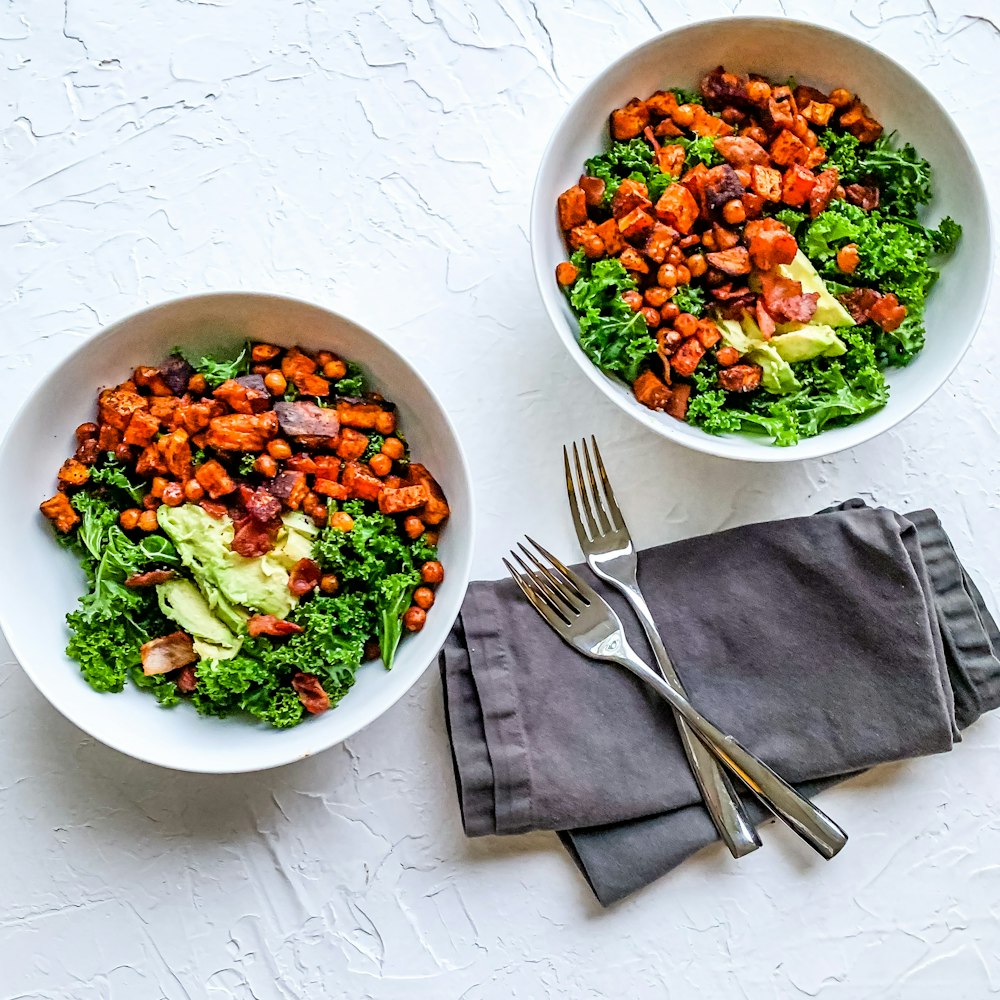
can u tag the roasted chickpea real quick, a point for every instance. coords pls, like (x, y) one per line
(756, 133)
(413, 527)
(197, 385)
(329, 584)
(840, 97)
(651, 316)
(264, 352)
(193, 490)
(123, 452)
(423, 597)
(670, 312)
(334, 370)
(266, 466)
(671, 341)
(684, 115)
(393, 447)
(86, 432)
(393, 482)
(148, 521)
(275, 383)
(696, 265)
(319, 515)
(310, 502)
(413, 620)
(385, 422)
(341, 521)
(656, 297)
(158, 486)
(173, 494)
(686, 324)
(129, 519)
(683, 275)
(432, 572)
(381, 465)
(632, 299)
(758, 91)
(149, 502)
(708, 241)
(674, 255)
(732, 116)
(279, 449)
(848, 258)
(323, 357)
(261, 369)
(667, 275)
(733, 212)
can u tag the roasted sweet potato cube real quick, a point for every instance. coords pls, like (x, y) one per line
(822, 192)
(142, 428)
(766, 181)
(329, 488)
(312, 385)
(72, 473)
(360, 482)
(742, 151)
(403, 499)
(662, 104)
(678, 208)
(771, 243)
(164, 408)
(244, 396)
(740, 378)
(242, 431)
(60, 512)
(289, 487)
(436, 509)
(887, 312)
(572, 207)
(150, 461)
(362, 416)
(816, 157)
(687, 356)
(628, 122)
(176, 451)
(788, 148)
(631, 194)
(213, 477)
(116, 406)
(611, 237)
(636, 225)
(632, 260)
(707, 333)
(593, 189)
(585, 238)
(659, 242)
(817, 112)
(353, 444)
(108, 437)
(328, 467)
(677, 405)
(797, 185)
(295, 362)
(651, 391)
(670, 159)
(708, 124)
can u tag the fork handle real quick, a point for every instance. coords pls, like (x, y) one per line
(808, 821)
(724, 806)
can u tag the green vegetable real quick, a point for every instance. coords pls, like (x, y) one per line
(217, 369)
(247, 463)
(375, 442)
(633, 158)
(701, 149)
(614, 337)
(353, 383)
(690, 298)
(111, 473)
(687, 96)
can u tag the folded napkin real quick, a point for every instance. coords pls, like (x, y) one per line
(826, 644)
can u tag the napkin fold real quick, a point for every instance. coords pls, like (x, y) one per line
(826, 644)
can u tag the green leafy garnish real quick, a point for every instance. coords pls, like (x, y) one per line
(217, 369)
(353, 383)
(690, 298)
(700, 149)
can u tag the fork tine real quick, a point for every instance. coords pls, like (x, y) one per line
(552, 596)
(586, 593)
(571, 600)
(553, 617)
(598, 499)
(581, 486)
(574, 503)
(617, 519)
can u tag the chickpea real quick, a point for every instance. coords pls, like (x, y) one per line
(193, 490)
(732, 116)
(159, 484)
(758, 91)
(709, 242)
(310, 502)
(279, 449)
(733, 212)
(341, 521)
(261, 369)
(684, 115)
(394, 448)
(686, 324)
(123, 452)
(381, 465)
(671, 341)
(264, 352)
(173, 494)
(656, 297)
(148, 521)
(848, 258)
(197, 385)
(275, 383)
(323, 357)
(329, 584)
(432, 572)
(756, 133)
(266, 466)
(632, 299)
(840, 97)
(129, 519)
(423, 597)
(414, 619)
(86, 432)
(697, 265)
(334, 370)
(651, 316)
(670, 312)
(149, 502)
(667, 275)
(413, 527)
(675, 256)
(683, 275)
(319, 515)
(385, 422)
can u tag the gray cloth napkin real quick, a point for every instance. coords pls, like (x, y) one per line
(827, 644)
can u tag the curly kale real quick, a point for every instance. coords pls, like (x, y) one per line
(215, 368)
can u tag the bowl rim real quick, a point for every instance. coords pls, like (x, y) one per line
(463, 572)
(742, 448)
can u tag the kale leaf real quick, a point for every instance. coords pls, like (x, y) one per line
(217, 369)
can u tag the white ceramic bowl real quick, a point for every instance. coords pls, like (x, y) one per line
(781, 48)
(43, 581)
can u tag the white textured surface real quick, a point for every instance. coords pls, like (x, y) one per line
(380, 161)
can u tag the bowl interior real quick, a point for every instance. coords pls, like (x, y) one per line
(780, 49)
(47, 581)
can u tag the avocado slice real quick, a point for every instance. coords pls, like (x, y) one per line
(829, 311)
(808, 341)
(777, 376)
(182, 602)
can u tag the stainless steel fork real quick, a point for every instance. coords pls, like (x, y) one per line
(607, 545)
(584, 620)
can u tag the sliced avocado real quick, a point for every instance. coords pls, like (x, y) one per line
(778, 377)
(295, 541)
(810, 340)
(828, 310)
(182, 602)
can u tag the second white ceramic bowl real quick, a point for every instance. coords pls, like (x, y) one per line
(779, 49)
(42, 580)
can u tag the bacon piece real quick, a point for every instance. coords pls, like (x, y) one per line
(314, 699)
(186, 680)
(858, 302)
(822, 192)
(771, 243)
(305, 576)
(887, 312)
(740, 378)
(262, 506)
(72, 473)
(678, 403)
(651, 391)
(151, 578)
(213, 477)
(764, 319)
(436, 509)
(687, 357)
(289, 487)
(242, 431)
(735, 261)
(573, 207)
(60, 512)
(270, 625)
(214, 510)
(253, 539)
(785, 300)
(244, 395)
(169, 652)
(742, 151)
(304, 418)
(402, 499)
(865, 196)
